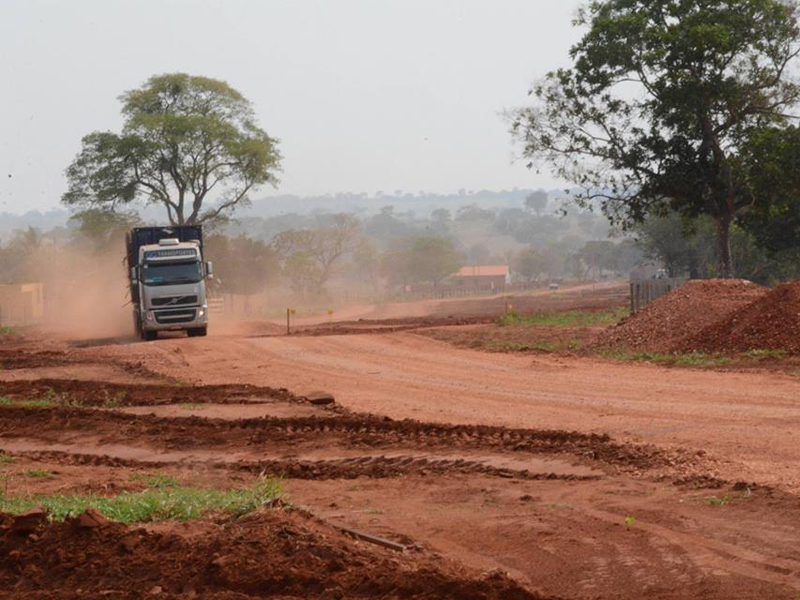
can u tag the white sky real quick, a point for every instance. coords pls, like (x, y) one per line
(364, 95)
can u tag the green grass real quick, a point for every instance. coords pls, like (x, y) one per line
(155, 481)
(5, 458)
(38, 473)
(49, 399)
(171, 503)
(693, 359)
(535, 346)
(720, 501)
(764, 354)
(568, 318)
(112, 401)
(6, 330)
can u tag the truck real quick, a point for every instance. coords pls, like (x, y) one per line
(168, 280)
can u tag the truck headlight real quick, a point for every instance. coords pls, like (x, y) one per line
(151, 316)
(201, 312)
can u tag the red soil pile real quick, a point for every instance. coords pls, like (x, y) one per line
(772, 322)
(270, 554)
(664, 324)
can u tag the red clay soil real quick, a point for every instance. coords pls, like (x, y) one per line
(270, 554)
(103, 393)
(661, 326)
(772, 322)
(346, 431)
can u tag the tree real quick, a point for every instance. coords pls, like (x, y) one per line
(103, 227)
(367, 262)
(536, 202)
(431, 259)
(478, 254)
(530, 263)
(426, 259)
(242, 265)
(190, 144)
(690, 247)
(441, 220)
(662, 102)
(310, 254)
(772, 161)
(598, 255)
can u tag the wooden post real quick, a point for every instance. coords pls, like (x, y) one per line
(633, 297)
(288, 325)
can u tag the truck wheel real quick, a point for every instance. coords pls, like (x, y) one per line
(149, 336)
(197, 332)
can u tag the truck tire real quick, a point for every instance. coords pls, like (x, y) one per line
(149, 336)
(197, 332)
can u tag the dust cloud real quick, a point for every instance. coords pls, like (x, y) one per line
(86, 294)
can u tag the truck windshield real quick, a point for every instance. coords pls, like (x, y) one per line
(172, 273)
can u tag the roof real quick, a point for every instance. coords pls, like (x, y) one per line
(484, 271)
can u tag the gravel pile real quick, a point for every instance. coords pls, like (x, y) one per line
(772, 322)
(666, 323)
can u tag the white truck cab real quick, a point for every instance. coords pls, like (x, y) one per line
(168, 284)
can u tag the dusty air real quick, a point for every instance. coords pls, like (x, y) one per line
(382, 299)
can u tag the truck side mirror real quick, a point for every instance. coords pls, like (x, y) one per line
(134, 278)
(210, 269)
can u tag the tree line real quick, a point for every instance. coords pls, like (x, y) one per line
(677, 120)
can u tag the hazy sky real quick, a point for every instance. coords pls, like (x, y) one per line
(364, 95)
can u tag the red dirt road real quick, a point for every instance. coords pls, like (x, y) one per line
(746, 420)
(493, 472)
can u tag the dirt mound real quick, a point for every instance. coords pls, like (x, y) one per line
(268, 554)
(772, 322)
(698, 304)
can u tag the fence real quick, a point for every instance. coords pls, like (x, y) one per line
(429, 292)
(649, 290)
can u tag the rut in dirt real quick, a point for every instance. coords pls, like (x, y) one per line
(272, 435)
(369, 466)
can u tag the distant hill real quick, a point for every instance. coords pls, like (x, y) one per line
(420, 204)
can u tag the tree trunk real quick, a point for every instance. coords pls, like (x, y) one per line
(724, 261)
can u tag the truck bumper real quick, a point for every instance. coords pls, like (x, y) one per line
(176, 319)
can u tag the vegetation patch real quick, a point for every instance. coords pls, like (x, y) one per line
(48, 399)
(5, 331)
(38, 473)
(692, 359)
(166, 503)
(569, 318)
(155, 480)
(764, 354)
(534, 346)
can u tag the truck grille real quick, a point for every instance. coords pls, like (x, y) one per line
(168, 317)
(173, 300)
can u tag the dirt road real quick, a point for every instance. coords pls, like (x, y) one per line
(580, 478)
(746, 420)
